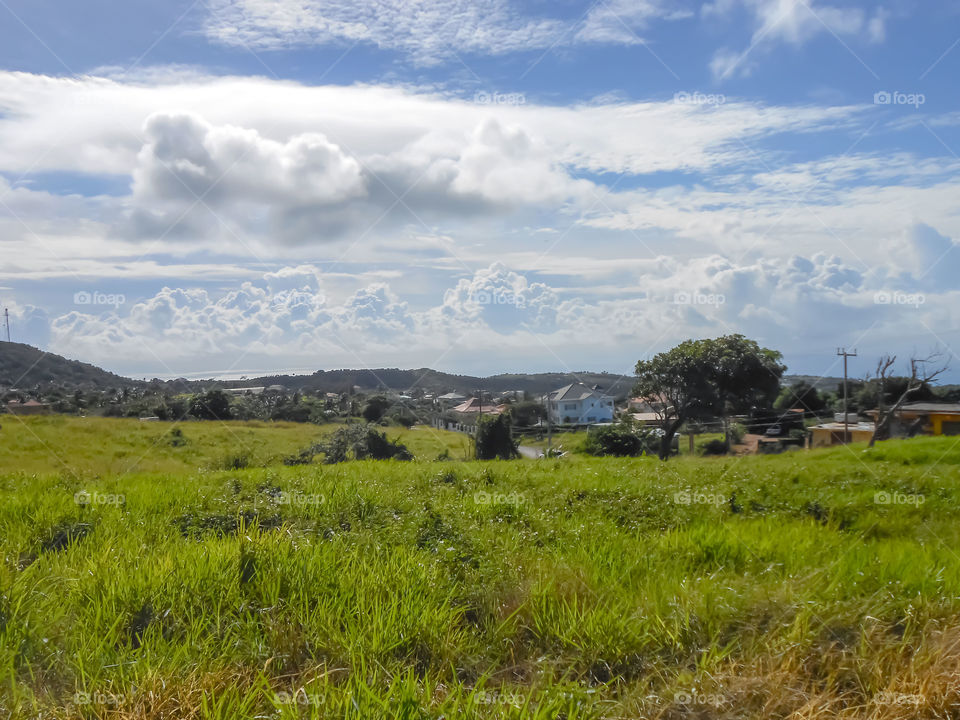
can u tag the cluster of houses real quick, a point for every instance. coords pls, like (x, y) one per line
(579, 404)
(573, 404)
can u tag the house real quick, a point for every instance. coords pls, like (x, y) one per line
(648, 410)
(930, 418)
(829, 434)
(473, 407)
(649, 404)
(579, 404)
(451, 399)
(30, 407)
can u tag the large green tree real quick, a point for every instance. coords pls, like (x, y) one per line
(800, 395)
(745, 375)
(678, 383)
(701, 378)
(211, 405)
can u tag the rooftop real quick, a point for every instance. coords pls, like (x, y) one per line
(575, 391)
(933, 407)
(838, 426)
(473, 406)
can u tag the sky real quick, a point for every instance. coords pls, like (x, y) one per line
(230, 187)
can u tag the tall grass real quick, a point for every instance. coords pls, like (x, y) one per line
(817, 584)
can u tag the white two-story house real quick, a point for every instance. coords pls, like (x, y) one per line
(579, 404)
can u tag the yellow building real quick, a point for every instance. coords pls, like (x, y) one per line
(832, 433)
(935, 418)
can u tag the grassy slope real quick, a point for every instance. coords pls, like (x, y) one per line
(25, 366)
(589, 588)
(109, 446)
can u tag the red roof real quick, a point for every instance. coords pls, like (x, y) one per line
(29, 403)
(473, 406)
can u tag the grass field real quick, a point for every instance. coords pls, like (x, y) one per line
(807, 585)
(110, 446)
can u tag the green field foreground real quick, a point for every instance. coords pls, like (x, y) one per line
(807, 585)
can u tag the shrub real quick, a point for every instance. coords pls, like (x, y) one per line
(211, 405)
(714, 447)
(361, 442)
(620, 440)
(375, 408)
(495, 438)
(736, 431)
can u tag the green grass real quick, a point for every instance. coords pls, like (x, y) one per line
(95, 446)
(577, 588)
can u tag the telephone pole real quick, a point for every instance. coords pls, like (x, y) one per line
(6, 317)
(476, 433)
(846, 424)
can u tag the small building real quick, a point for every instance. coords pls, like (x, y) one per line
(929, 418)
(473, 407)
(451, 399)
(829, 434)
(29, 407)
(579, 404)
(649, 404)
(244, 391)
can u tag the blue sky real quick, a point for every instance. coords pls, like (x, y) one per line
(234, 186)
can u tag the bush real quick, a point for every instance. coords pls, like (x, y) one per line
(361, 442)
(714, 447)
(527, 413)
(375, 408)
(620, 440)
(211, 405)
(736, 431)
(495, 438)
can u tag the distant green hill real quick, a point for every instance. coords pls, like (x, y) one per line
(435, 381)
(24, 366)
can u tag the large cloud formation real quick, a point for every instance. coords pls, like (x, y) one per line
(385, 223)
(287, 319)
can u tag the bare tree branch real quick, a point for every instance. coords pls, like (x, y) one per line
(923, 371)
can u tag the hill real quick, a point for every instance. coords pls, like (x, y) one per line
(24, 366)
(435, 381)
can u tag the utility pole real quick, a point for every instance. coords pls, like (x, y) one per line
(476, 434)
(846, 423)
(546, 407)
(6, 317)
